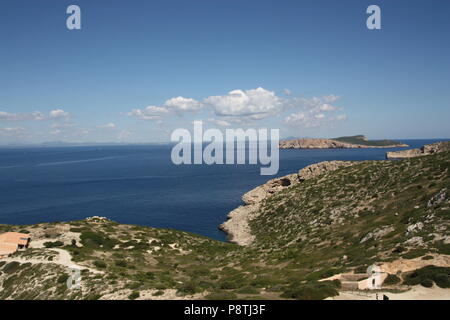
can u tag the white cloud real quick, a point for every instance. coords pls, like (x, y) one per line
(58, 114)
(107, 126)
(220, 123)
(5, 116)
(244, 107)
(149, 113)
(182, 104)
(62, 125)
(319, 116)
(330, 98)
(314, 112)
(287, 92)
(327, 107)
(55, 132)
(256, 103)
(295, 118)
(12, 130)
(34, 116)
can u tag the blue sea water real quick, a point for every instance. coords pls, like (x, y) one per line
(138, 184)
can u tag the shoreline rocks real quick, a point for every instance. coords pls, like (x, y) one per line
(423, 151)
(237, 226)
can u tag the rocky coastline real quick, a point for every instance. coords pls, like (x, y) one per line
(310, 143)
(237, 226)
(423, 151)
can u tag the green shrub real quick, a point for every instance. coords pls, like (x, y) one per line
(91, 239)
(427, 283)
(391, 279)
(189, 287)
(158, 293)
(423, 276)
(11, 267)
(248, 290)
(134, 295)
(414, 254)
(63, 278)
(227, 285)
(121, 263)
(53, 244)
(311, 291)
(100, 264)
(442, 280)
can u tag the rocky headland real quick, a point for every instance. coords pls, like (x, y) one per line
(237, 225)
(423, 151)
(354, 142)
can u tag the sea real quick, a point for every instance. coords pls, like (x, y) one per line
(139, 184)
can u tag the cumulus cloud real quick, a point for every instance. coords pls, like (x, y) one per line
(244, 107)
(58, 114)
(314, 111)
(182, 104)
(256, 103)
(149, 113)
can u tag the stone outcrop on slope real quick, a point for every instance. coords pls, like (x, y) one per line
(237, 226)
(317, 169)
(423, 151)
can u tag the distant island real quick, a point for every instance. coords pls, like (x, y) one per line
(350, 142)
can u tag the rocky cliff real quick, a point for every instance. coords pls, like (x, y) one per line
(237, 225)
(423, 151)
(310, 143)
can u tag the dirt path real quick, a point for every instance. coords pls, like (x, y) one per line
(64, 259)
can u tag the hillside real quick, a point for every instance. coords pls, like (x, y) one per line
(328, 219)
(350, 142)
(362, 140)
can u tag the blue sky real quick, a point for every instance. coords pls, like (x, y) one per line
(139, 69)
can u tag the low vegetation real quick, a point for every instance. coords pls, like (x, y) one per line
(341, 221)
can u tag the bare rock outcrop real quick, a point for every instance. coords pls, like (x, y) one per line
(423, 151)
(438, 198)
(237, 226)
(317, 169)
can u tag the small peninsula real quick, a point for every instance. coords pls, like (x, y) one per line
(350, 142)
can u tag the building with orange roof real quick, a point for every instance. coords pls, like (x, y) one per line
(10, 242)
